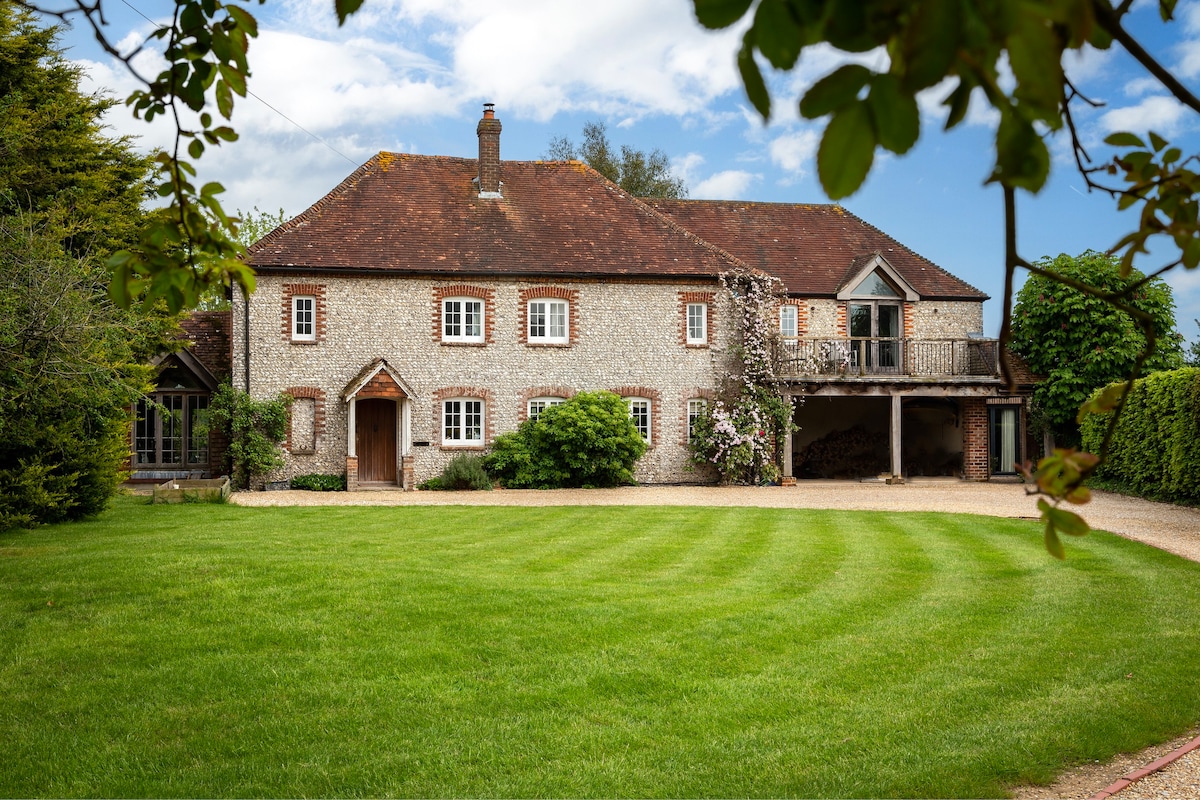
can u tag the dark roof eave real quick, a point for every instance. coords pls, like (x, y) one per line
(296, 269)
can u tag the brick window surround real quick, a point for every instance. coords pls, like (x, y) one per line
(488, 296)
(686, 298)
(549, 293)
(320, 313)
(540, 391)
(463, 393)
(656, 412)
(708, 395)
(318, 420)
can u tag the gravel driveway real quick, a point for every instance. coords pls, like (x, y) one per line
(1175, 529)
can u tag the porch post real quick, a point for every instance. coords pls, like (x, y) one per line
(351, 449)
(788, 478)
(897, 456)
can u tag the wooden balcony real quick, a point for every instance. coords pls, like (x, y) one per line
(875, 358)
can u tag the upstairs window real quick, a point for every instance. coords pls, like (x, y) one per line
(548, 322)
(788, 321)
(462, 319)
(697, 323)
(304, 328)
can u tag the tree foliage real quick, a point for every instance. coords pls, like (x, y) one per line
(637, 172)
(71, 363)
(969, 47)
(1077, 342)
(588, 441)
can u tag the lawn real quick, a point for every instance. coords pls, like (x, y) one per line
(209, 650)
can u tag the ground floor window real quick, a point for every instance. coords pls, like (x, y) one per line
(1005, 426)
(539, 404)
(171, 430)
(462, 422)
(695, 410)
(639, 411)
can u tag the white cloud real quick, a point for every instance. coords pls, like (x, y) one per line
(794, 152)
(1160, 114)
(730, 184)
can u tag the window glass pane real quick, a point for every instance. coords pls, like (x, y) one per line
(539, 404)
(1004, 439)
(787, 320)
(197, 421)
(874, 285)
(537, 320)
(860, 320)
(558, 320)
(452, 421)
(172, 428)
(889, 321)
(695, 321)
(639, 411)
(145, 439)
(452, 318)
(695, 410)
(473, 420)
(473, 319)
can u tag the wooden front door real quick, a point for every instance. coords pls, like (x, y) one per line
(375, 425)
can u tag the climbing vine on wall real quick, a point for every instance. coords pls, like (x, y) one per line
(740, 433)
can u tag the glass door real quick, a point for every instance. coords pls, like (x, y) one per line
(1005, 430)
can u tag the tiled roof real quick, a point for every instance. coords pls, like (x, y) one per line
(812, 248)
(208, 332)
(422, 214)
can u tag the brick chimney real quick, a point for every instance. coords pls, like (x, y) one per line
(488, 131)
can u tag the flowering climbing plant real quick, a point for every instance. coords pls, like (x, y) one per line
(740, 433)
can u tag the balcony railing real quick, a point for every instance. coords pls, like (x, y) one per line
(882, 357)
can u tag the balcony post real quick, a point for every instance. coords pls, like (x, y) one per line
(788, 478)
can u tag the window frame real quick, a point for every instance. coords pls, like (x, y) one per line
(692, 337)
(546, 322)
(297, 318)
(462, 425)
(167, 425)
(647, 434)
(789, 312)
(546, 401)
(462, 324)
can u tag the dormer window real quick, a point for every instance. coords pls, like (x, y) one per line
(874, 285)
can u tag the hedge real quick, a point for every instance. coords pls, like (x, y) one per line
(1155, 450)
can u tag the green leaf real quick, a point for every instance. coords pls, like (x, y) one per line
(897, 117)
(1123, 139)
(196, 148)
(345, 8)
(224, 99)
(835, 91)
(1022, 160)
(847, 150)
(1157, 142)
(1054, 545)
(930, 42)
(756, 88)
(1102, 402)
(1068, 522)
(1191, 253)
(959, 102)
(1035, 53)
(245, 22)
(777, 34)
(235, 78)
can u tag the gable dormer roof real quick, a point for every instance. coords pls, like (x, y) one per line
(862, 267)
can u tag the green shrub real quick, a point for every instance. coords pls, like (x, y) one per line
(319, 483)
(254, 428)
(431, 485)
(588, 441)
(465, 471)
(1155, 450)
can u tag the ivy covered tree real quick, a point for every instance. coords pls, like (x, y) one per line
(637, 172)
(1078, 343)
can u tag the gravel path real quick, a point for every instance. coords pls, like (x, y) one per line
(1175, 529)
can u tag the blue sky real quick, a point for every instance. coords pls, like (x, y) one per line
(412, 75)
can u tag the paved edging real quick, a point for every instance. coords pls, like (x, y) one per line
(1149, 769)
